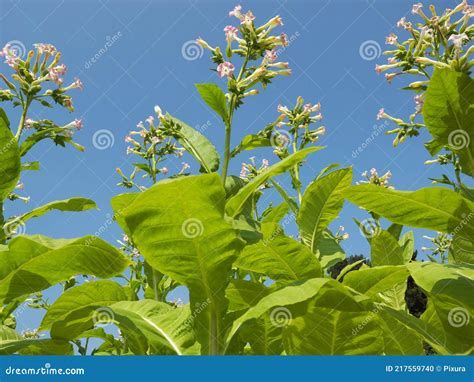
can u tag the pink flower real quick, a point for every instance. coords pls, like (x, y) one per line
(271, 55)
(391, 39)
(248, 18)
(378, 69)
(78, 83)
(54, 76)
(150, 120)
(78, 124)
(230, 32)
(380, 115)
(236, 12)
(11, 58)
(60, 69)
(284, 39)
(416, 8)
(225, 69)
(45, 48)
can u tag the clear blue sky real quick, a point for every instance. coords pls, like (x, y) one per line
(145, 66)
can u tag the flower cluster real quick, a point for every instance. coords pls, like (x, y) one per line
(153, 141)
(374, 178)
(251, 170)
(341, 235)
(440, 41)
(440, 245)
(297, 121)
(32, 74)
(253, 44)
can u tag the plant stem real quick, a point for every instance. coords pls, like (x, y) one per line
(21, 125)
(228, 124)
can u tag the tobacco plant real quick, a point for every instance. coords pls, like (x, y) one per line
(253, 289)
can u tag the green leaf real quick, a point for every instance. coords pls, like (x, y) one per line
(329, 252)
(385, 284)
(9, 161)
(71, 204)
(289, 295)
(151, 327)
(462, 249)
(178, 225)
(321, 204)
(30, 166)
(250, 142)
(11, 343)
(76, 309)
(243, 294)
(280, 257)
(385, 250)
(34, 263)
(275, 214)
(448, 112)
(234, 205)
(197, 145)
(215, 99)
(435, 208)
(450, 303)
(407, 242)
(287, 198)
(4, 117)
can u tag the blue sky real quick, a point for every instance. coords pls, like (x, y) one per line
(145, 65)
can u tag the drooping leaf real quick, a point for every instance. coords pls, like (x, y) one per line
(386, 284)
(322, 202)
(407, 242)
(76, 309)
(71, 204)
(448, 113)
(278, 256)
(235, 204)
(385, 250)
(160, 325)
(291, 201)
(34, 263)
(214, 98)
(275, 214)
(450, 303)
(9, 160)
(329, 252)
(250, 142)
(435, 208)
(178, 225)
(197, 145)
(289, 295)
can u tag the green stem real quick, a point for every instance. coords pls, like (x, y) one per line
(21, 125)
(228, 124)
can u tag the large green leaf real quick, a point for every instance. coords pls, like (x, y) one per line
(9, 160)
(386, 284)
(72, 204)
(179, 227)
(278, 256)
(243, 294)
(154, 327)
(197, 145)
(215, 98)
(385, 250)
(448, 113)
(435, 208)
(235, 204)
(329, 252)
(450, 304)
(34, 263)
(321, 204)
(289, 295)
(77, 308)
